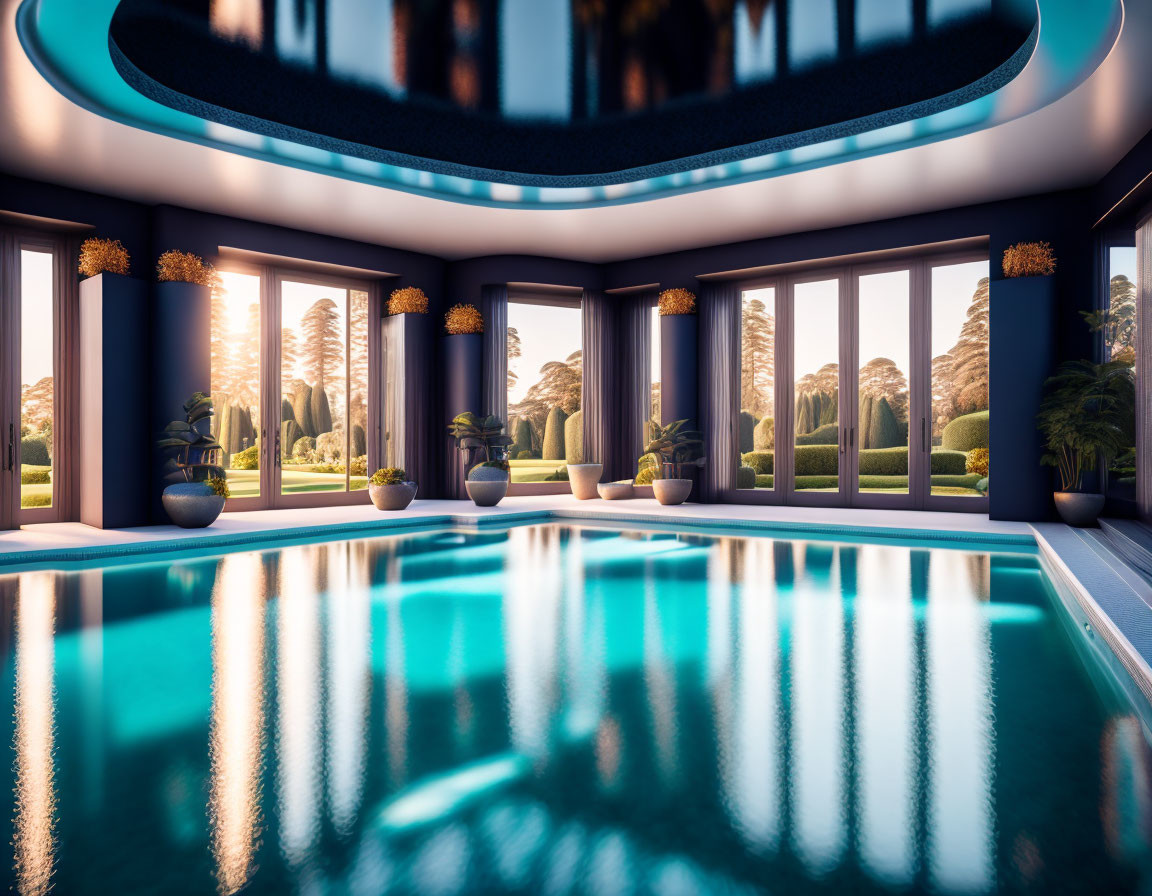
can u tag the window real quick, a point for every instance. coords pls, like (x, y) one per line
(235, 378)
(757, 433)
(323, 387)
(816, 354)
(885, 362)
(959, 419)
(654, 371)
(545, 370)
(37, 389)
(1118, 328)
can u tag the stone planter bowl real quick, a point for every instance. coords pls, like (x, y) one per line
(486, 493)
(671, 491)
(584, 478)
(191, 505)
(392, 497)
(1079, 508)
(616, 491)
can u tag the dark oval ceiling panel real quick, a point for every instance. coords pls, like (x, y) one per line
(566, 92)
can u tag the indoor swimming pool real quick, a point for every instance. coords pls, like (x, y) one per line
(551, 709)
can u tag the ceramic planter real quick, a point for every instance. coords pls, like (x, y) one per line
(584, 478)
(191, 505)
(615, 491)
(487, 492)
(1079, 508)
(392, 497)
(671, 491)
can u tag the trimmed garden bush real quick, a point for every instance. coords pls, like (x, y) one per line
(35, 477)
(967, 432)
(949, 463)
(883, 427)
(745, 477)
(522, 433)
(761, 462)
(554, 435)
(747, 431)
(304, 447)
(574, 438)
(321, 413)
(34, 451)
(290, 434)
(828, 434)
(248, 459)
(359, 441)
(817, 460)
(764, 435)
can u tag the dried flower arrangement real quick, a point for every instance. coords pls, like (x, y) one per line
(1029, 260)
(463, 318)
(184, 267)
(388, 476)
(98, 256)
(677, 301)
(409, 300)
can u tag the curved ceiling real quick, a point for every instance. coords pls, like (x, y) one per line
(556, 93)
(1060, 124)
(70, 43)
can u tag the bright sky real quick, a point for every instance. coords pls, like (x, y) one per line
(547, 333)
(1122, 260)
(35, 316)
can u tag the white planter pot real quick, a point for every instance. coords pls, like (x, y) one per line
(671, 491)
(1079, 508)
(392, 497)
(584, 478)
(615, 491)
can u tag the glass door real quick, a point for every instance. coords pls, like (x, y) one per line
(819, 466)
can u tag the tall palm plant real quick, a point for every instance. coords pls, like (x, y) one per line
(1086, 417)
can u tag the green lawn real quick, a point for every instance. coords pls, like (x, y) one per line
(294, 480)
(941, 485)
(38, 494)
(533, 470)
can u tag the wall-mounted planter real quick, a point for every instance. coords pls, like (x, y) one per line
(1022, 335)
(463, 379)
(115, 445)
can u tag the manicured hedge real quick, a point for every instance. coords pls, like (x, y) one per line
(828, 434)
(966, 432)
(956, 484)
(759, 461)
(34, 451)
(817, 460)
(824, 460)
(748, 423)
(949, 463)
(554, 435)
(764, 435)
(745, 477)
(574, 438)
(43, 477)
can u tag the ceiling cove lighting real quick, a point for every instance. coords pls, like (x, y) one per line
(68, 41)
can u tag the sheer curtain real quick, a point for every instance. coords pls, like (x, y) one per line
(494, 307)
(635, 365)
(599, 396)
(719, 386)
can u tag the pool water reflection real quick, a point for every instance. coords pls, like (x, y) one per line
(552, 709)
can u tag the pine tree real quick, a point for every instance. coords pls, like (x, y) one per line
(757, 358)
(970, 356)
(323, 349)
(514, 352)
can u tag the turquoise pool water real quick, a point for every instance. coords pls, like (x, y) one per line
(555, 709)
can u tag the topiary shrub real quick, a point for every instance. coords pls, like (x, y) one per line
(761, 462)
(359, 441)
(745, 477)
(817, 460)
(248, 459)
(286, 412)
(522, 434)
(884, 461)
(966, 432)
(828, 434)
(554, 435)
(747, 431)
(321, 412)
(883, 427)
(977, 461)
(949, 463)
(302, 410)
(330, 446)
(764, 435)
(304, 448)
(867, 406)
(290, 434)
(34, 451)
(574, 438)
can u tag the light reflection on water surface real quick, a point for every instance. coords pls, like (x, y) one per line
(555, 710)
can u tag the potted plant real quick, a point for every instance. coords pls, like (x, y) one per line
(102, 256)
(390, 489)
(672, 448)
(487, 480)
(1085, 418)
(199, 486)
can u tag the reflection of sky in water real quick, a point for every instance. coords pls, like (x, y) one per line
(552, 709)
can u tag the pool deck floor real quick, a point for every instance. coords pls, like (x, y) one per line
(1116, 599)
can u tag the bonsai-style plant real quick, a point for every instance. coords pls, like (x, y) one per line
(1029, 260)
(192, 455)
(677, 301)
(462, 319)
(99, 256)
(184, 267)
(197, 482)
(409, 300)
(1086, 418)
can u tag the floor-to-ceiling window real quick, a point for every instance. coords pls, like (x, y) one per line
(816, 372)
(1118, 332)
(236, 339)
(884, 362)
(757, 430)
(37, 376)
(545, 369)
